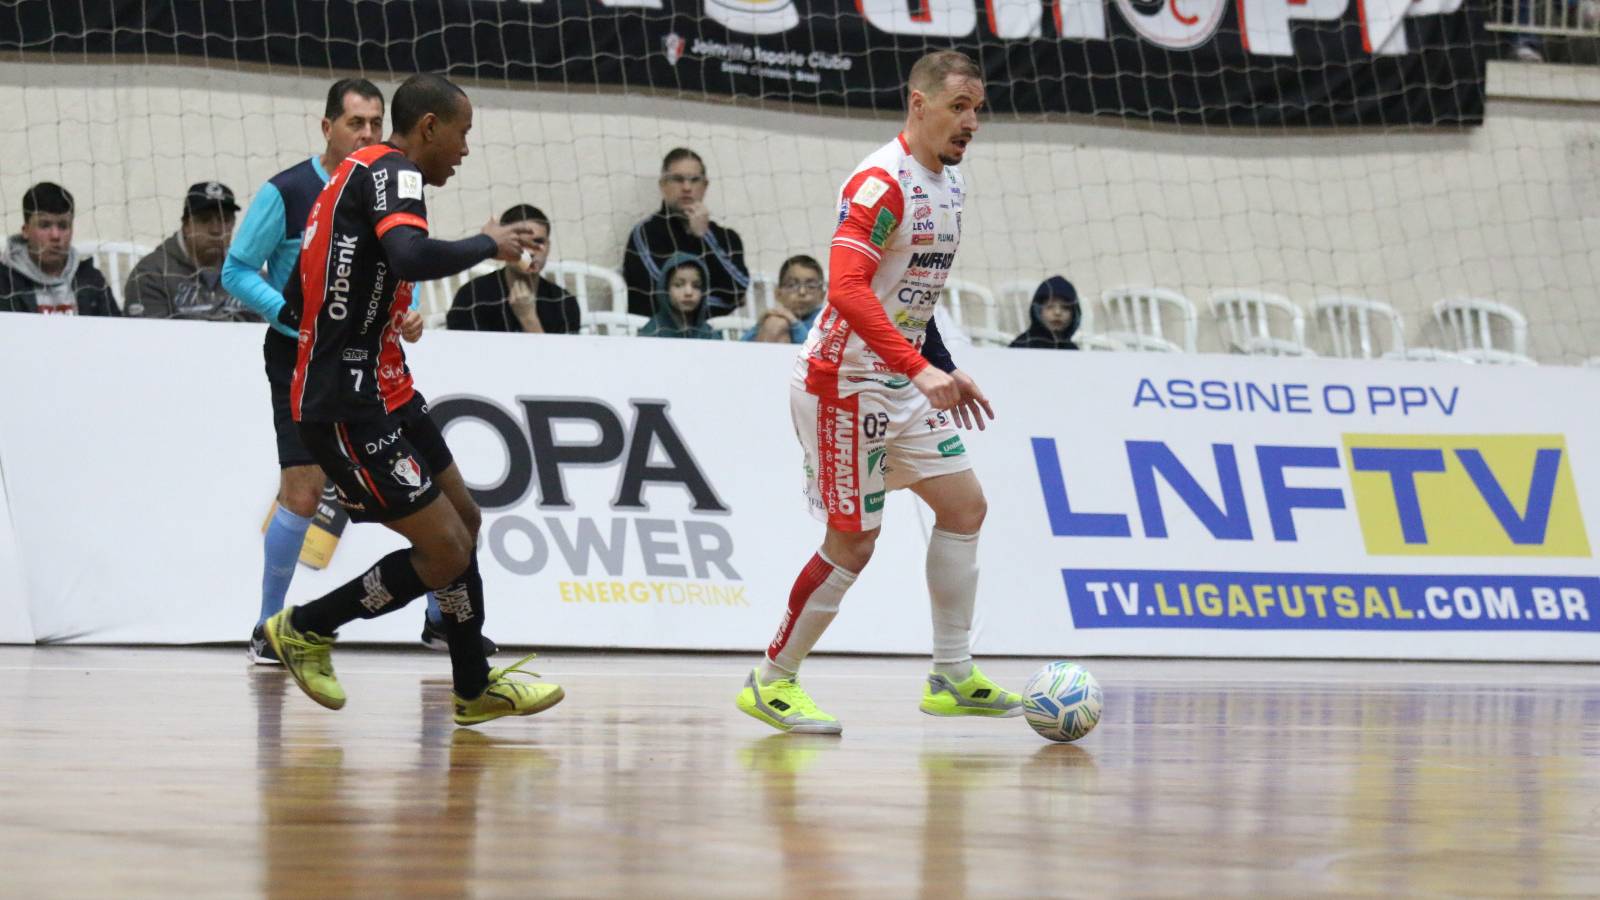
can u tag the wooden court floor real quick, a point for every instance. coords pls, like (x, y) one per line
(185, 773)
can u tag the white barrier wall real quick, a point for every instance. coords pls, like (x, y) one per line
(15, 627)
(643, 493)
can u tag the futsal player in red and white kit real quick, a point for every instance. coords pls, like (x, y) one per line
(875, 401)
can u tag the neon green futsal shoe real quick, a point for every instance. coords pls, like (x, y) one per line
(308, 657)
(786, 706)
(506, 696)
(976, 696)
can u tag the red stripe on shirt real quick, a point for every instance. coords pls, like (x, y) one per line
(395, 220)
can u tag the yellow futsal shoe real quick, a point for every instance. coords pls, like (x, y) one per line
(308, 657)
(786, 706)
(506, 696)
(976, 696)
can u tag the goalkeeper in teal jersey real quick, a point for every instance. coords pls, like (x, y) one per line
(260, 262)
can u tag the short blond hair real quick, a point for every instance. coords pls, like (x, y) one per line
(930, 73)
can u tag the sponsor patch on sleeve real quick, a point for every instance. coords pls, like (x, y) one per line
(410, 185)
(870, 191)
(882, 228)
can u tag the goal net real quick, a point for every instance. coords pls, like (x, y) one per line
(1296, 150)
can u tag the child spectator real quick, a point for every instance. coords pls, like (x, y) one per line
(1055, 316)
(680, 302)
(802, 290)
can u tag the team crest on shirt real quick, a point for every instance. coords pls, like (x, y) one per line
(410, 185)
(407, 472)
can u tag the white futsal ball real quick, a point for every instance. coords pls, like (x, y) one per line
(1062, 702)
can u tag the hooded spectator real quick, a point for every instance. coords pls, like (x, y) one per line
(679, 301)
(1054, 316)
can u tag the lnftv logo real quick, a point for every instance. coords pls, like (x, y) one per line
(1427, 495)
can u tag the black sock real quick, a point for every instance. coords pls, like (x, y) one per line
(461, 603)
(384, 588)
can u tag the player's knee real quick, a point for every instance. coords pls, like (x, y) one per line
(442, 558)
(472, 519)
(975, 513)
(300, 499)
(850, 551)
(967, 518)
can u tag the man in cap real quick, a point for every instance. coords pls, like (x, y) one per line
(182, 279)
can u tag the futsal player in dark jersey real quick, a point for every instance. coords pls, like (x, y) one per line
(259, 262)
(366, 242)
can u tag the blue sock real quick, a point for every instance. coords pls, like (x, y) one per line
(434, 615)
(285, 536)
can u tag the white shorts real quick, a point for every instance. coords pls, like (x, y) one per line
(861, 446)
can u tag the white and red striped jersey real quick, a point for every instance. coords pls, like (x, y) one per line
(899, 226)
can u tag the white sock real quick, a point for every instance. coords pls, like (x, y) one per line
(813, 602)
(952, 571)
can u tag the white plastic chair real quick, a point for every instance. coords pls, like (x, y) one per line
(973, 306)
(1347, 323)
(1097, 342)
(1252, 322)
(435, 297)
(1429, 354)
(760, 296)
(1016, 300)
(114, 259)
(732, 328)
(1134, 317)
(1470, 325)
(602, 295)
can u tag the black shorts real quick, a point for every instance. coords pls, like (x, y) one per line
(383, 468)
(279, 351)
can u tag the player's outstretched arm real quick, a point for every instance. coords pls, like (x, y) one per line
(417, 257)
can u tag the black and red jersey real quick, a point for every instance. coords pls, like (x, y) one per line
(350, 365)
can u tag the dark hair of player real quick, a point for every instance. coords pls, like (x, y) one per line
(681, 153)
(46, 197)
(422, 94)
(930, 73)
(525, 212)
(344, 87)
(799, 259)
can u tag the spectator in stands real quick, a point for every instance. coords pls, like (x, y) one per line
(1055, 315)
(802, 288)
(681, 308)
(683, 226)
(182, 279)
(42, 272)
(516, 298)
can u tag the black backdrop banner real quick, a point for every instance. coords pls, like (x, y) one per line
(1214, 62)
